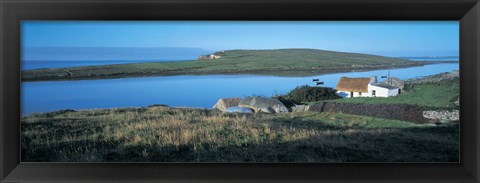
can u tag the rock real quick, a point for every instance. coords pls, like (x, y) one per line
(280, 108)
(256, 103)
(442, 115)
(225, 103)
(396, 82)
(299, 108)
(307, 107)
(267, 110)
(239, 109)
(453, 74)
(436, 78)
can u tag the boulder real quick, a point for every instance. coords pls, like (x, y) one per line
(299, 108)
(225, 103)
(280, 108)
(256, 103)
(267, 110)
(239, 109)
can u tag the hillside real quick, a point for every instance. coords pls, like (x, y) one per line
(302, 58)
(300, 62)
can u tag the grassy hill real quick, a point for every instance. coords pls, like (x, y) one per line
(272, 62)
(301, 59)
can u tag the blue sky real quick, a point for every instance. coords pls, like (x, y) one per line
(406, 38)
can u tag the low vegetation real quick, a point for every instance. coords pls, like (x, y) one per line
(442, 94)
(163, 134)
(272, 62)
(305, 94)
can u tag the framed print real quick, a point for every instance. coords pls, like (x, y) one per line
(239, 91)
(248, 92)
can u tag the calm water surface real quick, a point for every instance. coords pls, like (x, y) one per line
(186, 90)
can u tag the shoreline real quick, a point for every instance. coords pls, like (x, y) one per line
(436, 78)
(266, 72)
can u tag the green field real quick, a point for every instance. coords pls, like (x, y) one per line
(299, 62)
(163, 134)
(436, 95)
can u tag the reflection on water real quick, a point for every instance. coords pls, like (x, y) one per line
(188, 91)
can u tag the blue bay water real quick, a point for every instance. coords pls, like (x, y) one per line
(61, 57)
(182, 91)
(446, 58)
(434, 59)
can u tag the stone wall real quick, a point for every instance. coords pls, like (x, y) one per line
(442, 115)
(402, 112)
(435, 78)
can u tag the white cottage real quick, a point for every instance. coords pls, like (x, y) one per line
(364, 87)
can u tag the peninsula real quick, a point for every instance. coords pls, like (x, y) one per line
(279, 62)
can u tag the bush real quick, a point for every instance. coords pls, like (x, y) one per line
(287, 102)
(307, 93)
(408, 87)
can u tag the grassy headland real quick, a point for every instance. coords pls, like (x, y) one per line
(299, 62)
(163, 134)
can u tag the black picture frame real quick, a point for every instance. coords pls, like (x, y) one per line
(13, 11)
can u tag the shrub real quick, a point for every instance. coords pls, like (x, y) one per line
(311, 94)
(408, 87)
(287, 102)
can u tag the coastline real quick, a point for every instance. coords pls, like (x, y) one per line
(441, 86)
(159, 133)
(290, 72)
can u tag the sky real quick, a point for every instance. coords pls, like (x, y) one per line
(387, 38)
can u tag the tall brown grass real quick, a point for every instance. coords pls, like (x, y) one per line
(163, 134)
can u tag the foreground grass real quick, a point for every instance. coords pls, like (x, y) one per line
(300, 62)
(436, 95)
(162, 134)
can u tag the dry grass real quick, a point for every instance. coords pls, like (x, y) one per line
(162, 134)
